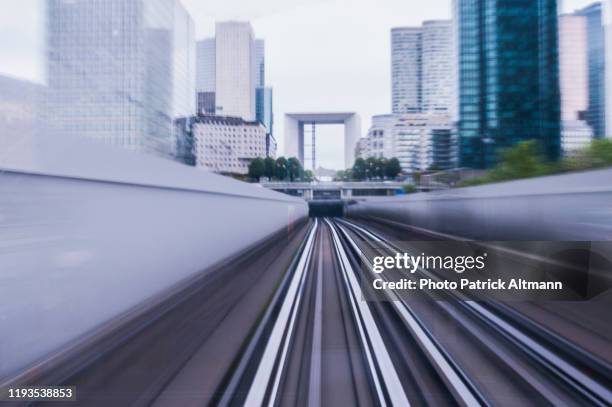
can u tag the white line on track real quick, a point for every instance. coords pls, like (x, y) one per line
(556, 364)
(373, 344)
(462, 392)
(314, 384)
(280, 337)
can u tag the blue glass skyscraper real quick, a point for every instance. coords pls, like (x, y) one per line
(263, 107)
(595, 115)
(508, 77)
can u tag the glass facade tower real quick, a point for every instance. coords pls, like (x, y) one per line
(260, 62)
(120, 71)
(595, 114)
(205, 76)
(264, 107)
(264, 113)
(508, 77)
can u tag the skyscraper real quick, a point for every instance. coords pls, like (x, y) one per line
(263, 94)
(574, 82)
(264, 114)
(120, 71)
(421, 68)
(595, 114)
(205, 83)
(422, 72)
(508, 77)
(406, 69)
(437, 66)
(237, 51)
(260, 62)
(235, 70)
(608, 65)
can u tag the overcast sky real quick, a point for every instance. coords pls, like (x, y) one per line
(321, 55)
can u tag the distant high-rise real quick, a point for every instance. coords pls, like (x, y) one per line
(421, 68)
(574, 82)
(608, 67)
(406, 70)
(595, 114)
(120, 71)
(508, 77)
(264, 113)
(263, 94)
(235, 70)
(205, 83)
(437, 66)
(260, 63)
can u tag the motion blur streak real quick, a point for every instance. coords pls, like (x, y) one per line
(543, 208)
(90, 231)
(185, 309)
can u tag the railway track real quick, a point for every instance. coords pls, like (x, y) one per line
(326, 345)
(300, 332)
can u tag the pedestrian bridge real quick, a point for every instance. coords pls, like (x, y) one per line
(335, 190)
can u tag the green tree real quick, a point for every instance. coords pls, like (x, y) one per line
(372, 164)
(270, 166)
(601, 152)
(381, 164)
(280, 168)
(521, 161)
(598, 154)
(359, 169)
(308, 176)
(294, 168)
(393, 168)
(257, 168)
(344, 175)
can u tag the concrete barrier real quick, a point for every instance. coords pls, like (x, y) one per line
(568, 207)
(89, 230)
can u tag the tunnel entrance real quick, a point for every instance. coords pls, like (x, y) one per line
(326, 194)
(333, 208)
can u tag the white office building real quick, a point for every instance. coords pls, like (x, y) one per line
(424, 141)
(420, 141)
(437, 66)
(361, 148)
(574, 82)
(120, 71)
(422, 67)
(406, 69)
(235, 70)
(272, 146)
(227, 144)
(381, 136)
